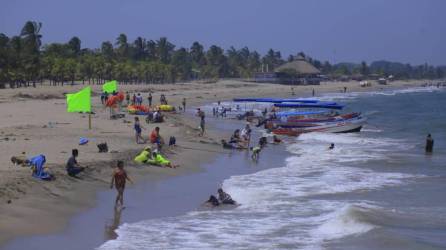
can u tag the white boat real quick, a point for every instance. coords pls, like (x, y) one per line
(348, 126)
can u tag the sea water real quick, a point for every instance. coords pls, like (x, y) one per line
(376, 189)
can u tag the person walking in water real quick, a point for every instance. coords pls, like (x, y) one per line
(429, 144)
(118, 180)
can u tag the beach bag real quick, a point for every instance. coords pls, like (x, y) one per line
(103, 147)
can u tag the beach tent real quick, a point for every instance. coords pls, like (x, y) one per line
(110, 87)
(80, 101)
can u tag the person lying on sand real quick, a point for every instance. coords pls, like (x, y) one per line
(73, 168)
(119, 179)
(159, 160)
(225, 198)
(20, 160)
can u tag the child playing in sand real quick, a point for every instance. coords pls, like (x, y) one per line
(118, 180)
(138, 130)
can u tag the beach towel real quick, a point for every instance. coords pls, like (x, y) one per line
(39, 172)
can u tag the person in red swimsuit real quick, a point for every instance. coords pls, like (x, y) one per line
(119, 179)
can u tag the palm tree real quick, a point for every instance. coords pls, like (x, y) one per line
(31, 36)
(164, 50)
(75, 45)
(123, 46)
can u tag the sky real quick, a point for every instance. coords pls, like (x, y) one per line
(408, 31)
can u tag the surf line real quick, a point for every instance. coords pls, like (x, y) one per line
(207, 150)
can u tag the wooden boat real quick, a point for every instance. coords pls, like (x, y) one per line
(345, 126)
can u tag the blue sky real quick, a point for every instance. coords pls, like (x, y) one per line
(409, 31)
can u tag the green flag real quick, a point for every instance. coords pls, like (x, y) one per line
(110, 87)
(80, 101)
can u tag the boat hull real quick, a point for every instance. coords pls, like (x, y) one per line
(338, 127)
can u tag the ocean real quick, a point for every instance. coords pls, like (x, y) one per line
(376, 189)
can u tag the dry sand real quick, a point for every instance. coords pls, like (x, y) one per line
(33, 120)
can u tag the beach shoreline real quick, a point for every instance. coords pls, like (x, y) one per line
(33, 200)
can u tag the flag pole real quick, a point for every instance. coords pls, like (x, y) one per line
(89, 120)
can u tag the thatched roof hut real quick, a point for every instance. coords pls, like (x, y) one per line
(300, 66)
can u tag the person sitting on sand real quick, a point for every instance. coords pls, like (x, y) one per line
(39, 170)
(73, 168)
(331, 146)
(159, 160)
(119, 179)
(225, 198)
(144, 156)
(213, 201)
(156, 138)
(158, 117)
(235, 138)
(276, 140)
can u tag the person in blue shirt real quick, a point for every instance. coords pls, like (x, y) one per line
(138, 130)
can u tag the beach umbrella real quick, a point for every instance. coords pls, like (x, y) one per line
(110, 87)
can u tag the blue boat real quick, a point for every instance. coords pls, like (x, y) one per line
(273, 100)
(309, 105)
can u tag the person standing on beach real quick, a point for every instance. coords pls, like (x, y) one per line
(429, 144)
(200, 113)
(184, 104)
(138, 131)
(149, 98)
(313, 91)
(345, 89)
(134, 99)
(127, 98)
(118, 180)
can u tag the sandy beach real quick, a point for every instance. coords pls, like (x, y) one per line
(34, 121)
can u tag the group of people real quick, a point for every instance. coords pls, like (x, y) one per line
(137, 99)
(240, 139)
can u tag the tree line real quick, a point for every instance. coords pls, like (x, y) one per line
(24, 61)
